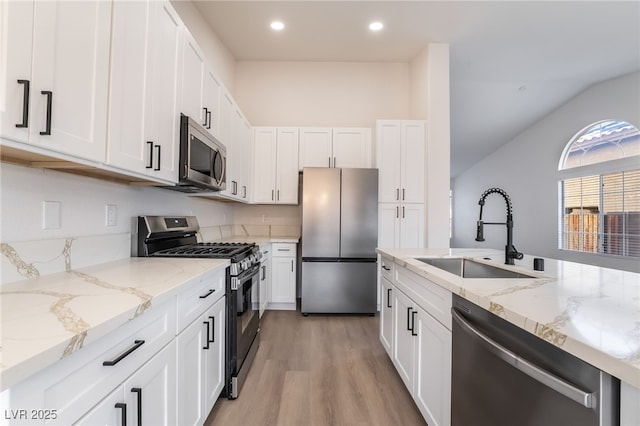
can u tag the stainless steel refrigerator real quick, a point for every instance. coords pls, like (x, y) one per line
(339, 237)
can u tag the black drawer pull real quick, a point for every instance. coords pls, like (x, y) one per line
(136, 345)
(206, 115)
(139, 392)
(413, 323)
(150, 165)
(385, 268)
(49, 95)
(213, 329)
(123, 407)
(159, 148)
(388, 297)
(208, 332)
(409, 319)
(25, 104)
(204, 296)
(209, 117)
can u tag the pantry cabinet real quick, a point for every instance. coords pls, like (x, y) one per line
(144, 94)
(275, 165)
(55, 75)
(401, 146)
(335, 147)
(282, 294)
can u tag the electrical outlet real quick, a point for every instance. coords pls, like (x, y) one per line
(111, 215)
(51, 215)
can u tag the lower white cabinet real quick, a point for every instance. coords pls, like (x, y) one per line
(401, 225)
(282, 293)
(146, 398)
(201, 365)
(265, 277)
(418, 343)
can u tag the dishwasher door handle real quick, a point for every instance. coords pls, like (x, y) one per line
(546, 378)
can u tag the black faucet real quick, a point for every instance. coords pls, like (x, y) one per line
(510, 252)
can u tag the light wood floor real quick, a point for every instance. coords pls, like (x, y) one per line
(319, 370)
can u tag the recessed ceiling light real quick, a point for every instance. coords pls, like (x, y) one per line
(376, 26)
(277, 26)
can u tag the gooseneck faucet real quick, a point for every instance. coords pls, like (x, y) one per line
(510, 252)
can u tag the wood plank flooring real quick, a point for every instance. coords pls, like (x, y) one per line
(319, 370)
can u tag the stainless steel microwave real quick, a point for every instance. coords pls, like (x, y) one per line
(203, 159)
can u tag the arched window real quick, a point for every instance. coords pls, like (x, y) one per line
(600, 195)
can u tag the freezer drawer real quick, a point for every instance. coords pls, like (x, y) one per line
(339, 287)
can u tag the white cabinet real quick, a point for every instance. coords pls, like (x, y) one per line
(147, 397)
(144, 93)
(55, 75)
(401, 225)
(401, 147)
(282, 293)
(334, 147)
(275, 171)
(415, 326)
(265, 277)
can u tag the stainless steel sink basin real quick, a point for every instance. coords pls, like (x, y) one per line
(467, 268)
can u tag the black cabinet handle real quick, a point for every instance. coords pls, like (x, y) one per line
(49, 96)
(139, 392)
(208, 332)
(204, 296)
(409, 319)
(123, 355)
(244, 191)
(25, 104)
(278, 195)
(150, 165)
(385, 268)
(397, 212)
(213, 329)
(206, 116)
(413, 323)
(402, 194)
(123, 407)
(397, 194)
(403, 212)
(209, 117)
(329, 161)
(334, 162)
(388, 297)
(159, 148)
(272, 195)
(264, 273)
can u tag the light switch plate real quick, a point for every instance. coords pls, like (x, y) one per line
(111, 215)
(51, 215)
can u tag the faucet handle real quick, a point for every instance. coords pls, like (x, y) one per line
(480, 231)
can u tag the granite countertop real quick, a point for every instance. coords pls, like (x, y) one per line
(588, 311)
(46, 319)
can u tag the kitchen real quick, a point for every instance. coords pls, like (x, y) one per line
(24, 189)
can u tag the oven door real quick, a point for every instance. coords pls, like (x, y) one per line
(247, 312)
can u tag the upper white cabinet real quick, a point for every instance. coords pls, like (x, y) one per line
(275, 173)
(401, 147)
(145, 85)
(334, 147)
(55, 75)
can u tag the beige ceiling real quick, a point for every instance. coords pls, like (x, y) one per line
(512, 62)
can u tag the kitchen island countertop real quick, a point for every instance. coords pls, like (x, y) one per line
(588, 311)
(47, 318)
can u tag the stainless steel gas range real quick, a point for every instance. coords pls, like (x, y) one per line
(176, 236)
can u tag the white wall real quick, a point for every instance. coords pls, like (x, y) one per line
(527, 169)
(83, 200)
(322, 93)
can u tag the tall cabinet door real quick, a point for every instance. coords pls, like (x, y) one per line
(264, 155)
(16, 42)
(413, 161)
(71, 65)
(287, 166)
(193, 70)
(388, 134)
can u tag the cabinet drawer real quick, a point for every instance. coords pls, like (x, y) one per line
(199, 296)
(283, 249)
(428, 295)
(386, 268)
(78, 382)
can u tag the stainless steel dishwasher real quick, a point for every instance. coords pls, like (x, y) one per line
(503, 375)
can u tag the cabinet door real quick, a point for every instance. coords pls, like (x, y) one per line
(264, 154)
(315, 147)
(432, 392)
(404, 338)
(211, 103)
(71, 60)
(265, 283)
(193, 69)
(386, 315)
(213, 368)
(16, 43)
(388, 136)
(283, 280)
(287, 166)
(413, 162)
(107, 413)
(388, 225)
(411, 226)
(150, 392)
(352, 147)
(246, 187)
(190, 344)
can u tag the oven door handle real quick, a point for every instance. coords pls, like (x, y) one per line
(544, 377)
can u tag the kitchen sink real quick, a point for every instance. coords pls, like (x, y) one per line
(467, 268)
